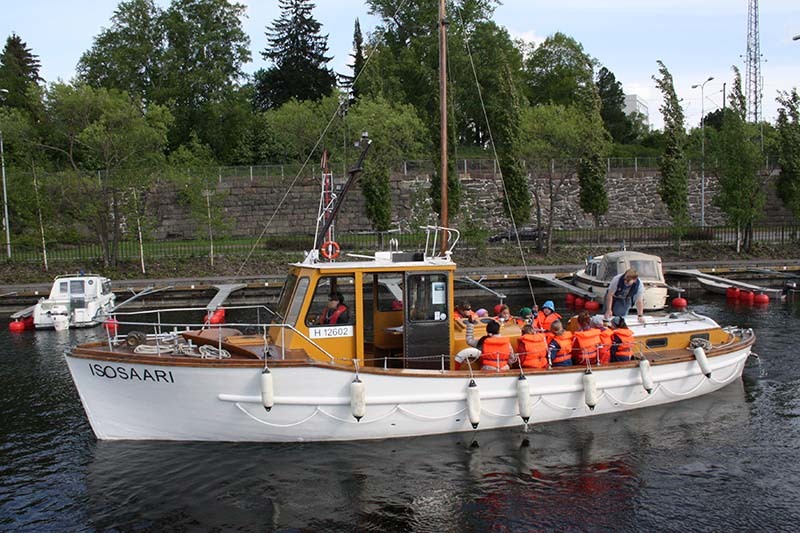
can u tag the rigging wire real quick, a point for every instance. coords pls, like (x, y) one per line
(311, 153)
(494, 153)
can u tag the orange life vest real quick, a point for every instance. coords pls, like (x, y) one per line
(496, 352)
(585, 346)
(565, 348)
(544, 322)
(532, 350)
(605, 346)
(622, 346)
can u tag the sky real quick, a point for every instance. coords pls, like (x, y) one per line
(696, 40)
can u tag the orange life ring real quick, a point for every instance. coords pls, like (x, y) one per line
(330, 250)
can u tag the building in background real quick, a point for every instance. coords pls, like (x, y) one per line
(634, 104)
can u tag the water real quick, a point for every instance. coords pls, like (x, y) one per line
(722, 462)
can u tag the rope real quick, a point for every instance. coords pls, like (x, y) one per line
(423, 417)
(260, 421)
(212, 352)
(153, 350)
(699, 342)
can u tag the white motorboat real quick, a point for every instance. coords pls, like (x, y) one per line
(601, 269)
(74, 301)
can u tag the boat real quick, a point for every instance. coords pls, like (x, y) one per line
(721, 285)
(366, 347)
(599, 271)
(74, 302)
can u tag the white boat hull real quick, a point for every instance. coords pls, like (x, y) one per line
(313, 402)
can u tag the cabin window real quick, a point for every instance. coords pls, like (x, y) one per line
(647, 269)
(658, 342)
(106, 287)
(427, 297)
(389, 292)
(63, 287)
(76, 287)
(323, 310)
(297, 301)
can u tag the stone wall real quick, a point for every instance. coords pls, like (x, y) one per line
(249, 203)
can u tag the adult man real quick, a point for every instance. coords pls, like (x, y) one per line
(335, 312)
(623, 292)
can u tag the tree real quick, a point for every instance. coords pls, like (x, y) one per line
(559, 72)
(297, 52)
(788, 126)
(553, 133)
(612, 108)
(129, 56)
(114, 144)
(19, 70)
(740, 197)
(592, 181)
(206, 48)
(674, 186)
(349, 82)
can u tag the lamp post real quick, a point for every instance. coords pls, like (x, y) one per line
(702, 151)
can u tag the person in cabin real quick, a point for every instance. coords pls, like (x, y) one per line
(625, 291)
(464, 310)
(504, 316)
(621, 341)
(525, 317)
(336, 311)
(586, 341)
(560, 346)
(532, 348)
(544, 320)
(496, 351)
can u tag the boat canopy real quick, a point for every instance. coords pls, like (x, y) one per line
(648, 266)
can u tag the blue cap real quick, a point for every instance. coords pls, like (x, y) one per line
(549, 304)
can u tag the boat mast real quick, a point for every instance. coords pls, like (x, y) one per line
(443, 119)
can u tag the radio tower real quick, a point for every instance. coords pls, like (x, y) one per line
(753, 81)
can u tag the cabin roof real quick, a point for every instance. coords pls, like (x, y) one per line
(383, 261)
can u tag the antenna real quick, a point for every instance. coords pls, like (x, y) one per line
(753, 81)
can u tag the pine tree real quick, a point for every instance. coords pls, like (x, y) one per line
(612, 100)
(348, 82)
(297, 52)
(19, 68)
(674, 186)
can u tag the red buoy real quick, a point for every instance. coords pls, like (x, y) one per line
(732, 293)
(215, 317)
(16, 326)
(746, 296)
(579, 302)
(592, 305)
(570, 298)
(761, 298)
(679, 303)
(111, 326)
(28, 322)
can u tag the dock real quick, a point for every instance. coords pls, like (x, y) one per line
(724, 283)
(551, 279)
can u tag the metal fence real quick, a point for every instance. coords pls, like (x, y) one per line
(773, 234)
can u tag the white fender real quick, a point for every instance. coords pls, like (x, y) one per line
(267, 390)
(524, 398)
(647, 378)
(358, 399)
(467, 354)
(473, 404)
(702, 360)
(590, 389)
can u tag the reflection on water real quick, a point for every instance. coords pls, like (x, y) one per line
(712, 463)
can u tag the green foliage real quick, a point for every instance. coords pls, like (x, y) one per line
(559, 72)
(592, 180)
(19, 70)
(612, 99)
(741, 197)
(674, 186)
(788, 127)
(349, 82)
(297, 52)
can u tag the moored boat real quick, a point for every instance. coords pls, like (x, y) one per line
(74, 302)
(599, 271)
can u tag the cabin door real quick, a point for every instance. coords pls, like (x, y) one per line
(427, 327)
